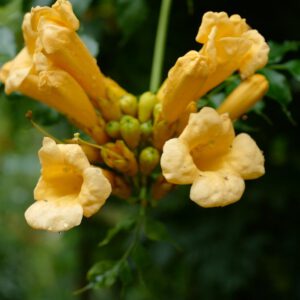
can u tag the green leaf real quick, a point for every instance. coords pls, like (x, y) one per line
(130, 15)
(125, 272)
(123, 225)
(293, 66)
(141, 257)
(157, 231)
(278, 51)
(104, 273)
(279, 89)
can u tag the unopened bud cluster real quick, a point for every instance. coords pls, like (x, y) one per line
(136, 134)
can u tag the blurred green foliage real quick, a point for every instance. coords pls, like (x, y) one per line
(245, 251)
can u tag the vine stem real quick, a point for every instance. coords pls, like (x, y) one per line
(160, 44)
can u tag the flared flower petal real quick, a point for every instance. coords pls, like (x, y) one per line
(54, 216)
(230, 45)
(177, 163)
(246, 158)
(212, 189)
(208, 155)
(69, 187)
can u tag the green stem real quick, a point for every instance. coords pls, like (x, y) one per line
(160, 43)
(45, 133)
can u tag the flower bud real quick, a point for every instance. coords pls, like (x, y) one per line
(149, 158)
(244, 96)
(128, 104)
(146, 130)
(130, 131)
(98, 134)
(110, 108)
(160, 187)
(92, 153)
(120, 187)
(157, 111)
(113, 129)
(146, 105)
(119, 157)
(162, 131)
(113, 90)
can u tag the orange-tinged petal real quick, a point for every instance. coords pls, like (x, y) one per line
(63, 46)
(244, 96)
(184, 81)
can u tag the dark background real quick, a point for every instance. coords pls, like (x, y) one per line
(249, 250)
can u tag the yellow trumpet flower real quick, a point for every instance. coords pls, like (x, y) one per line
(183, 83)
(52, 31)
(244, 96)
(68, 189)
(209, 156)
(54, 87)
(229, 45)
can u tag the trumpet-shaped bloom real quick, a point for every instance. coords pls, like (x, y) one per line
(68, 189)
(52, 31)
(209, 156)
(229, 45)
(183, 83)
(52, 86)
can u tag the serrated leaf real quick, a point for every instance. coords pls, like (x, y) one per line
(123, 225)
(131, 14)
(279, 88)
(293, 66)
(278, 51)
(104, 273)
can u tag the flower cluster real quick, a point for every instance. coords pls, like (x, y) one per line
(154, 140)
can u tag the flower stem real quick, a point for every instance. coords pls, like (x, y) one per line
(160, 43)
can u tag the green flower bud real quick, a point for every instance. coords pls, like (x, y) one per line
(128, 104)
(146, 104)
(130, 131)
(149, 158)
(112, 128)
(146, 130)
